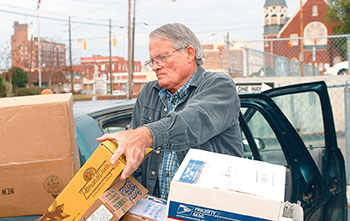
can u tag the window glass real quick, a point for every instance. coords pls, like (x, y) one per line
(304, 112)
(264, 137)
(116, 125)
(314, 10)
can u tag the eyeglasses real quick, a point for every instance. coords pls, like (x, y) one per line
(160, 60)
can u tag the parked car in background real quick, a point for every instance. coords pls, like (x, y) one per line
(118, 92)
(340, 68)
(291, 126)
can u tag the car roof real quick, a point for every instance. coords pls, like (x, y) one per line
(87, 107)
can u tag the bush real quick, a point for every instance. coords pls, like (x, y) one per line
(29, 91)
(2, 88)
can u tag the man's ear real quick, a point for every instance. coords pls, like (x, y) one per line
(191, 53)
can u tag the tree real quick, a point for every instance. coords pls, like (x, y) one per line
(338, 13)
(5, 56)
(2, 88)
(18, 77)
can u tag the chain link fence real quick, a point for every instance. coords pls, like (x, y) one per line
(288, 57)
(281, 62)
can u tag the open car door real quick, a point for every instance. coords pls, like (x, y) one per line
(293, 126)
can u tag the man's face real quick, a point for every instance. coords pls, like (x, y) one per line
(176, 70)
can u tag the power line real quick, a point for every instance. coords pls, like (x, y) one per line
(51, 13)
(61, 20)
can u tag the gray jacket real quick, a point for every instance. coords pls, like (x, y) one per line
(207, 118)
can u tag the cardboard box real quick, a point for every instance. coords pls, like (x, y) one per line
(114, 203)
(212, 186)
(90, 182)
(149, 208)
(39, 155)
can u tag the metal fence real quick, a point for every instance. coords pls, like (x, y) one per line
(288, 56)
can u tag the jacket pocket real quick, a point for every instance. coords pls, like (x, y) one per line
(149, 114)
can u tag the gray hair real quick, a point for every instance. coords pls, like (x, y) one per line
(181, 37)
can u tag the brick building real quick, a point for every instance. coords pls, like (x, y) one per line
(24, 50)
(314, 50)
(24, 54)
(96, 79)
(225, 58)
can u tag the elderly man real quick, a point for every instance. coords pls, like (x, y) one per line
(186, 107)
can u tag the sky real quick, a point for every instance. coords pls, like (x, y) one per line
(210, 20)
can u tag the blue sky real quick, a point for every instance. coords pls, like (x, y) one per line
(209, 19)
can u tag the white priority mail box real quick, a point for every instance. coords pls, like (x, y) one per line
(212, 186)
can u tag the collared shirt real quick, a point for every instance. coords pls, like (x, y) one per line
(169, 164)
(206, 118)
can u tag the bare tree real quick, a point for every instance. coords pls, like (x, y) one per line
(5, 56)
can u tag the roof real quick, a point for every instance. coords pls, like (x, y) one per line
(275, 3)
(87, 107)
(272, 29)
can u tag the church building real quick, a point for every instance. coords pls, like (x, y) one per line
(301, 38)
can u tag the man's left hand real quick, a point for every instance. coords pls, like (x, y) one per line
(131, 143)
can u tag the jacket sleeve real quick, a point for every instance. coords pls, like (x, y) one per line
(213, 108)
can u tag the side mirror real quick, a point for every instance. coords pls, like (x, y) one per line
(258, 141)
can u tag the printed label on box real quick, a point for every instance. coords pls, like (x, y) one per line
(182, 211)
(152, 208)
(101, 214)
(192, 171)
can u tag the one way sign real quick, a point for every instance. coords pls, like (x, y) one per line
(243, 88)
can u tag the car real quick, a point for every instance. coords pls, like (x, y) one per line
(118, 92)
(273, 130)
(340, 68)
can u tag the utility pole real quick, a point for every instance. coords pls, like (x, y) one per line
(130, 66)
(133, 49)
(110, 58)
(70, 56)
(31, 53)
(39, 55)
(301, 57)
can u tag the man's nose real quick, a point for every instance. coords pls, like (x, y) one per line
(156, 66)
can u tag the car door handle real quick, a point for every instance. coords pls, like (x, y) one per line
(333, 189)
(307, 197)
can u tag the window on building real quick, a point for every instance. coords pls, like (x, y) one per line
(103, 67)
(314, 10)
(294, 41)
(313, 31)
(274, 19)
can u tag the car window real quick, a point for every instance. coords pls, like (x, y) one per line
(269, 147)
(304, 112)
(116, 124)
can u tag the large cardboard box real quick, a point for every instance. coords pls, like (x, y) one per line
(212, 186)
(116, 201)
(39, 154)
(90, 182)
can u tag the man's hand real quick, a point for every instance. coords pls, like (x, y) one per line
(131, 143)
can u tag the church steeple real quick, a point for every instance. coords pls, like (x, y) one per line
(275, 16)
